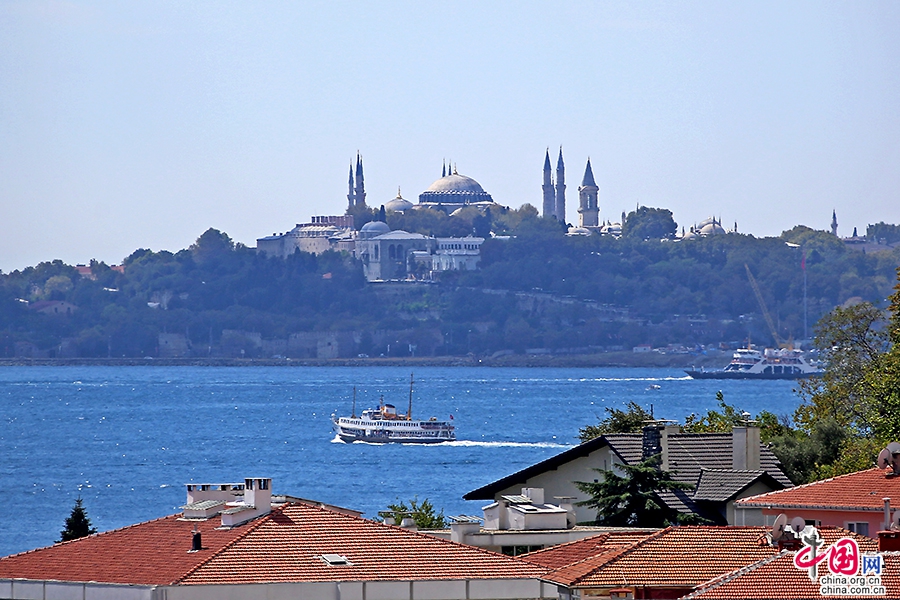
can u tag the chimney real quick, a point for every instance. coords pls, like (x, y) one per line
(566, 503)
(745, 448)
(887, 512)
(196, 541)
(651, 444)
(258, 492)
(462, 527)
(409, 523)
(535, 494)
(888, 541)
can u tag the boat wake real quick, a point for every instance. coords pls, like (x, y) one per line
(466, 444)
(472, 443)
(685, 378)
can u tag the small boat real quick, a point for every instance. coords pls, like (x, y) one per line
(747, 363)
(384, 425)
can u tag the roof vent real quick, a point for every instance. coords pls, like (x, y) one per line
(336, 560)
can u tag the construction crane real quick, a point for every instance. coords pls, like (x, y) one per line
(765, 312)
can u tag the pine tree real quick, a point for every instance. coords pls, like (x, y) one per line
(631, 500)
(77, 524)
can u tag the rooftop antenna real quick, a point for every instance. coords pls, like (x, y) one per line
(890, 457)
(778, 527)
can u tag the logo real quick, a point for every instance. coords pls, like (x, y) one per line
(849, 573)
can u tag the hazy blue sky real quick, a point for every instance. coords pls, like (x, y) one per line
(129, 125)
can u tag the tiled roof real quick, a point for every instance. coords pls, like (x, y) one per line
(863, 490)
(571, 552)
(681, 557)
(688, 453)
(284, 546)
(777, 578)
(721, 485)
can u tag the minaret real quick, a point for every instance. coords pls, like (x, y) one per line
(588, 207)
(351, 195)
(549, 199)
(560, 189)
(360, 189)
(834, 223)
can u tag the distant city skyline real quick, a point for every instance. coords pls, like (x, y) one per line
(126, 126)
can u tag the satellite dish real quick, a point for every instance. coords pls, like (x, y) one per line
(885, 458)
(798, 524)
(781, 523)
(895, 520)
(894, 447)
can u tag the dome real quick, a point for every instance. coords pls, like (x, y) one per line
(374, 229)
(454, 190)
(579, 231)
(712, 229)
(398, 204)
(456, 183)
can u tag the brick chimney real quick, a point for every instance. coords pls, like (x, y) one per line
(888, 541)
(745, 448)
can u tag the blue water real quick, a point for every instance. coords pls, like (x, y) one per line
(126, 439)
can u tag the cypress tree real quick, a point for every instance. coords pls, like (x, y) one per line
(77, 524)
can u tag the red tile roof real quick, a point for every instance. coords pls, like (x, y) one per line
(777, 578)
(680, 557)
(863, 490)
(604, 544)
(284, 546)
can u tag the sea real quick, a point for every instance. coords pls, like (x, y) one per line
(127, 439)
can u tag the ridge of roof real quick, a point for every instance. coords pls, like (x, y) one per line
(727, 577)
(93, 535)
(255, 525)
(615, 555)
(752, 500)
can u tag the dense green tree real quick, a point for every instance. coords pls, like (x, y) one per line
(77, 524)
(631, 499)
(647, 223)
(422, 513)
(630, 420)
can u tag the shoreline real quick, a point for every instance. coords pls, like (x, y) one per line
(602, 360)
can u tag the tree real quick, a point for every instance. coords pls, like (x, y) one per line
(647, 223)
(852, 341)
(77, 524)
(630, 420)
(423, 514)
(723, 422)
(632, 500)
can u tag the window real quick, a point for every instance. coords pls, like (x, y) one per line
(860, 527)
(518, 550)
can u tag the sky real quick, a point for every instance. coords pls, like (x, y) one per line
(127, 125)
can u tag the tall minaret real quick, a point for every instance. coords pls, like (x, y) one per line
(549, 199)
(351, 195)
(560, 189)
(834, 223)
(588, 207)
(360, 190)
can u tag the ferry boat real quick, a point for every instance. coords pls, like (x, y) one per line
(384, 425)
(747, 363)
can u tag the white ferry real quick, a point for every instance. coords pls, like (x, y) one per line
(383, 424)
(785, 363)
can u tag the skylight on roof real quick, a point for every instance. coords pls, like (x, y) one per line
(335, 560)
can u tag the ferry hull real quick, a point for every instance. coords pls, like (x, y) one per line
(745, 375)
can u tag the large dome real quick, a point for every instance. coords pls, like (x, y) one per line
(454, 190)
(456, 183)
(373, 229)
(398, 204)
